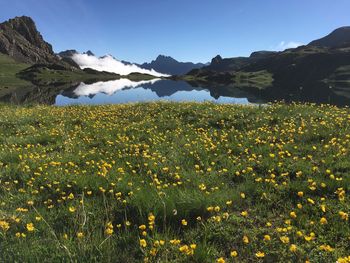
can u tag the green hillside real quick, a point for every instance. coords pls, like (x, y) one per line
(8, 70)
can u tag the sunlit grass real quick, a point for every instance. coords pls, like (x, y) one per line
(174, 182)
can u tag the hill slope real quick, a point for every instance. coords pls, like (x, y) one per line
(338, 38)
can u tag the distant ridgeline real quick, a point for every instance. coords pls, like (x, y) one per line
(324, 63)
(168, 65)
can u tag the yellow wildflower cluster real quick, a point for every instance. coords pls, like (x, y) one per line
(169, 182)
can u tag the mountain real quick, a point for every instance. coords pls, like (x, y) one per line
(26, 59)
(170, 66)
(20, 39)
(313, 68)
(338, 38)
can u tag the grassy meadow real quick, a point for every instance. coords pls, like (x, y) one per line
(175, 182)
(8, 70)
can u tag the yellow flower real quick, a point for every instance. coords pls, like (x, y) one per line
(344, 215)
(310, 237)
(142, 227)
(184, 222)
(175, 241)
(221, 260)
(311, 201)
(109, 229)
(293, 214)
(323, 221)
(20, 235)
(183, 248)
(4, 225)
(80, 234)
(244, 213)
(234, 253)
(326, 248)
(72, 209)
(299, 173)
(30, 227)
(153, 252)
(293, 248)
(260, 254)
(284, 239)
(143, 243)
(344, 260)
(245, 239)
(267, 238)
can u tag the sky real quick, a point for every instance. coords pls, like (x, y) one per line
(188, 30)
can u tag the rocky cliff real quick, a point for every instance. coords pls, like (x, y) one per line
(20, 39)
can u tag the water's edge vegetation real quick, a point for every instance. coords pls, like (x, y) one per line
(175, 182)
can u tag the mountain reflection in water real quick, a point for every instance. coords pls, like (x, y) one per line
(125, 90)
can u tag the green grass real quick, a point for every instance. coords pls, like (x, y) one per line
(8, 70)
(77, 182)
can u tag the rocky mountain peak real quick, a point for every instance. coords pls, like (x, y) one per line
(216, 60)
(89, 53)
(20, 39)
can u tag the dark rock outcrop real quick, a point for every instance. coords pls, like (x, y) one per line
(68, 53)
(89, 53)
(20, 39)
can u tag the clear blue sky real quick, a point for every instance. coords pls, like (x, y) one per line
(188, 30)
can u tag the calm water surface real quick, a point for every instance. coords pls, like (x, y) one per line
(124, 91)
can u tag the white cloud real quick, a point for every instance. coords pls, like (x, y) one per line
(109, 87)
(110, 64)
(283, 45)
